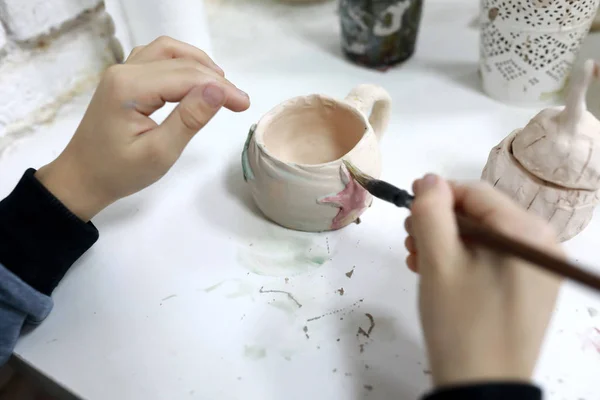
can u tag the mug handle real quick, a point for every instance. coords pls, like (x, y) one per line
(374, 101)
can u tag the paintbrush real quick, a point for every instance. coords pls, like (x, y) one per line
(480, 233)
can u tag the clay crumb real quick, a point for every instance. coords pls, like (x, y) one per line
(493, 13)
(340, 291)
(289, 295)
(372, 321)
(368, 387)
(593, 312)
(366, 333)
(358, 221)
(350, 273)
(42, 44)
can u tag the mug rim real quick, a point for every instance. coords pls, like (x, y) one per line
(258, 133)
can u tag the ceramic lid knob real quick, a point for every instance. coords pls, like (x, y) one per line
(562, 145)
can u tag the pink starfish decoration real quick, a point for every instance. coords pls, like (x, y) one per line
(351, 201)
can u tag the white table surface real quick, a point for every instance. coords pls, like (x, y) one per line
(167, 305)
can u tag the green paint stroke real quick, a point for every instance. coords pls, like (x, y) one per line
(244, 289)
(254, 352)
(287, 354)
(283, 256)
(317, 259)
(246, 169)
(241, 288)
(213, 287)
(287, 307)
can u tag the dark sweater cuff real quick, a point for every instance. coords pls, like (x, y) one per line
(487, 391)
(39, 237)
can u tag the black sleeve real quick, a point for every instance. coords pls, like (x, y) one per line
(39, 237)
(487, 391)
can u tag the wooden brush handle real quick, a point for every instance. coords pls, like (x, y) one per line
(504, 244)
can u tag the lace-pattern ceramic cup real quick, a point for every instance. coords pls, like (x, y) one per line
(527, 47)
(292, 159)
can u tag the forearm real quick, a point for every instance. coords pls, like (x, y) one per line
(39, 240)
(19, 303)
(487, 391)
(39, 237)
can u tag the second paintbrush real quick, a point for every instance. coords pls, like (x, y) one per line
(481, 234)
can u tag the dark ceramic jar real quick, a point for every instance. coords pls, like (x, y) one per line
(379, 33)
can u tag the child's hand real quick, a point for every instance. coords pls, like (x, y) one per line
(484, 314)
(118, 149)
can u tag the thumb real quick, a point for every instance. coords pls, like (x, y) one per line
(433, 221)
(194, 111)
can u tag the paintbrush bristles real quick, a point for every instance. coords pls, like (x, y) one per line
(362, 178)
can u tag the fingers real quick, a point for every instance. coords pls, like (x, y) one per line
(408, 225)
(147, 87)
(164, 48)
(411, 246)
(433, 222)
(194, 111)
(412, 263)
(493, 208)
(411, 260)
(134, 52)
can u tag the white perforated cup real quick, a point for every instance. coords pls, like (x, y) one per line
(527, 47)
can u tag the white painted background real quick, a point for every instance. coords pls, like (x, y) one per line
(50, 51)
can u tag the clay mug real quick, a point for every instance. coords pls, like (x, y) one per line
(292, 159)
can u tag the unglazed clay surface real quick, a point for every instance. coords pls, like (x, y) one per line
(570, 135)
(315, 133)
(292, 159)
(552, 166)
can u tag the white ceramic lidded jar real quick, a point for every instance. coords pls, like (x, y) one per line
(552, 166)
(292, 159)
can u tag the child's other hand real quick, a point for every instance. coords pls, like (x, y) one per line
(484, 314)
(118, 149)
